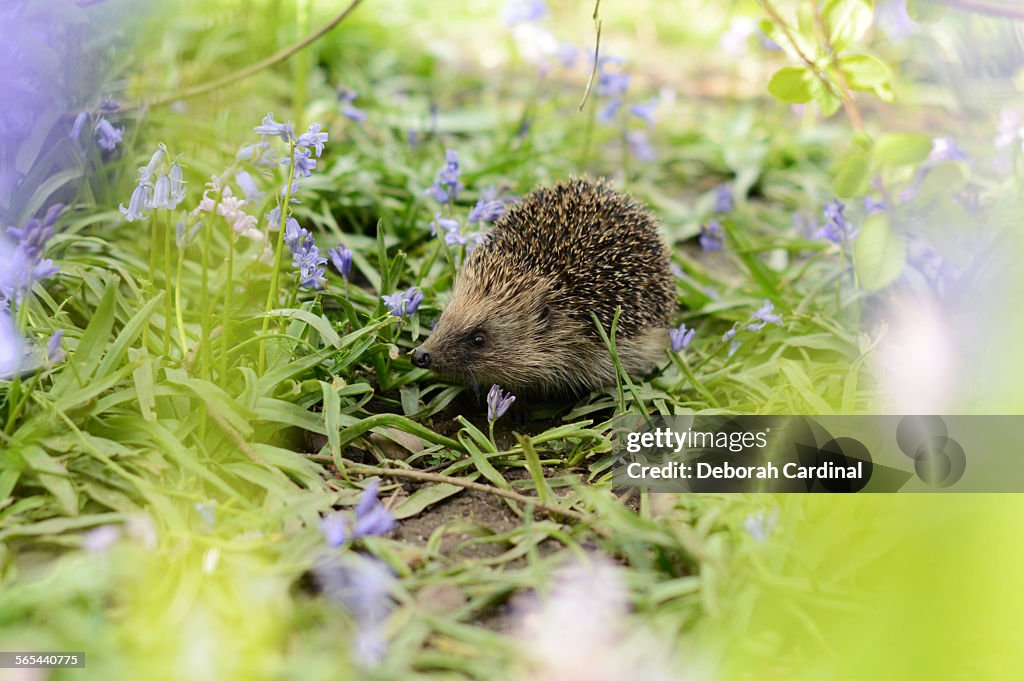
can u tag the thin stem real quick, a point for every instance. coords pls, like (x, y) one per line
(597, 50)
(177, 303)
(229, 285)
(275, 275)
(153, 236)
(849, 105)
(167, 283)
(241, 74)
(205, 295)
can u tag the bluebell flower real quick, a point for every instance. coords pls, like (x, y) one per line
(836, 229)
(307, 260)
(640, 145)
(724, 202)
(156, 162)
(607, 114)
(341, 258)
(524, 11)
(107, 136)
(414, 297)
(567, 55)
(313, 138)
(12, 347)
(76, 127)
(446, 185)
(183, 234)
(293, 233)
(711, 236)
(611, 83)
(177, 184)
(443, 224)
(765, 315)
(681, 337)
(404, 303)
(304, 163)
(645, 111)
(361, 585)
(395, 303)
(137, 205)
(946, 149)
(334, 527)
(733, 347)
(729, 335)
(54, 348)
(761, 524)
(873, 205)
(348, 109)
(372, 517)
(486, 211)
(269, 128)
(161, 197)
(498, 403)
(249, 187)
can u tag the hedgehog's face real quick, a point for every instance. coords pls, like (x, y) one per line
(488, 335)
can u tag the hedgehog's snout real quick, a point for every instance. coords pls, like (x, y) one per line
(421, 357)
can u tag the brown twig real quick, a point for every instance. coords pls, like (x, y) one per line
(424, 476)
(282, 55)
(597, 49)
(984, 7)
(851, 109)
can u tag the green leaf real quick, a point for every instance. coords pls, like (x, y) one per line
(868, 72)
(321, 324)
(925, 11)
(847, 21)
(86, 357)
(853, 173)
(791, 84)
(53, 476)
(425, 497)
(902, 148)
(878, 253)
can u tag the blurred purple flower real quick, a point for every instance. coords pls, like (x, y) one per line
(681, 337)
(759, 525)
(341, 258)
(334, 527)
(362, 586)
(640, 145)
(348, 109)
(946, 149)
(23, 263)
(498, 403)
(76, 128)
(107, 136)
(729, 335)
(724, 202)
(873, 205)
(248, 186)
(567, 55)
(486, 211)
(12, 347)
(711, 236)
(611, 83)
(607, 114)
(836, 229)
(645, 110)
(524, 11)
(446, 185)
(765, 315)
(54, 348)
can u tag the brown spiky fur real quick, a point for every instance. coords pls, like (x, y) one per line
(561, 253)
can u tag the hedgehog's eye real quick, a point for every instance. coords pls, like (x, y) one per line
(478, 339)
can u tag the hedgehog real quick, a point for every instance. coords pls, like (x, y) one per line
(520, 312)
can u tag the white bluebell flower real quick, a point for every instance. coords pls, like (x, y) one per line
(138, 204)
